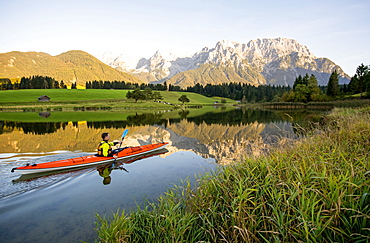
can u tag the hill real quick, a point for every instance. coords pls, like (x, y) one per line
(71, 67)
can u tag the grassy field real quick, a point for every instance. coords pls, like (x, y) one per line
(29, 97)
(315, 190)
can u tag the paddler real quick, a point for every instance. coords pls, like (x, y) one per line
(105, 147)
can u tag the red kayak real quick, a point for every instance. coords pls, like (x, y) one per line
(88, 160)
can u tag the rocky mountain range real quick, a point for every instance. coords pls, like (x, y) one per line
(263, 61)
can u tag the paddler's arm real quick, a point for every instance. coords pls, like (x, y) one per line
(115, 143)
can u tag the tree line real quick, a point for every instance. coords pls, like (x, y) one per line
(305, 88)
(360, 82)
(131, 86)
(33, 82)
(238, 91)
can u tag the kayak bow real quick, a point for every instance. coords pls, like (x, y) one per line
(89, 160)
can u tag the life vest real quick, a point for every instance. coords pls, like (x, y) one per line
(104, 148)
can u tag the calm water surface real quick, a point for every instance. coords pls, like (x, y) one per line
(62, 207)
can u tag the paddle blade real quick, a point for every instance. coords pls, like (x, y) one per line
(124, 133)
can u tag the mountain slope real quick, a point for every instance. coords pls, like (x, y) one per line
(216, 74)
(263, 61)
(71, 66)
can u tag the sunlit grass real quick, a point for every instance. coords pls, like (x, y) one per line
(25, 96)
(316, 190)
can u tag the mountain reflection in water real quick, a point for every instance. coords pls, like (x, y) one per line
(224, 135)
(229, 118)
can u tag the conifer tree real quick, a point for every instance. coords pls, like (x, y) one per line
(333, 85)
(298, 80)
(362, 73)
(56, 85)
(313, 88)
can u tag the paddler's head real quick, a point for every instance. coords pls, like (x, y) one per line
(106, 180)
(105, 136)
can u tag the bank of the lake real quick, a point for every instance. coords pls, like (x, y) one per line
(345, 103)
(316, 190)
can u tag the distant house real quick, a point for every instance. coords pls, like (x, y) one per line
(44, 98)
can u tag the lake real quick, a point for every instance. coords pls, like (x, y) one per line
(62, 207)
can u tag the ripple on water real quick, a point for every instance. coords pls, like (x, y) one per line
(11, 185)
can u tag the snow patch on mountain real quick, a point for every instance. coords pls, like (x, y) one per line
(121, 61)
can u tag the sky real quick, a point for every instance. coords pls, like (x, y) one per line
(335, 29)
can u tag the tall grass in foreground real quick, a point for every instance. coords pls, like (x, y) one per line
(318, 190)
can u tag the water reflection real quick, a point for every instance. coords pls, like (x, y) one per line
(65, 211)
(242, 116)
(38, 128)
(225, 136)
(105, 171)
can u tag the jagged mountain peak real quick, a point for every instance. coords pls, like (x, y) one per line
(164, 55)
(279, 47)
(265, 48)
(275, 61)
(227, 43)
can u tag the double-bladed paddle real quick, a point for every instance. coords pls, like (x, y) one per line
(123, 136)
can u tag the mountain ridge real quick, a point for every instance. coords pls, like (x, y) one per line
(262, 61)
(259, 62)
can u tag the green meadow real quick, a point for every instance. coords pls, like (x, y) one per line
(29, 97)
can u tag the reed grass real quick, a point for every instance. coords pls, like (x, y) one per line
(342, 103)
(315, 190)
